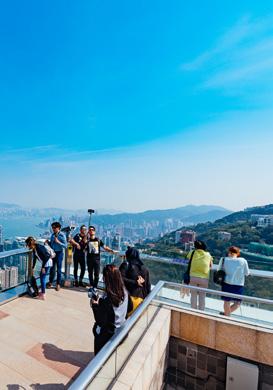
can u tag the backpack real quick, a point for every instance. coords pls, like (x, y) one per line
(50, 251)
(32, 287)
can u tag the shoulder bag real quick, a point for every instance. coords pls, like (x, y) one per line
(219, 276)
(186, 276)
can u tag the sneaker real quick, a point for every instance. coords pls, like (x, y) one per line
(58, 287)
(81, 284)
(41, 296)
(76, 283)
(48, 285)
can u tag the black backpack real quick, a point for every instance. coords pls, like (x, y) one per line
(32, 287)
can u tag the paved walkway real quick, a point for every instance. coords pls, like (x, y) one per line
(45, 344)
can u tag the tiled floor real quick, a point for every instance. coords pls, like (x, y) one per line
(45, 344)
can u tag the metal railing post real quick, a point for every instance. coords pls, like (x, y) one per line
(68, 261)
(29, 264)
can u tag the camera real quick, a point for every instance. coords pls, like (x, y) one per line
(93, 294)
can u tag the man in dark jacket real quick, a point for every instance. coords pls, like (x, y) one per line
(135, 275)
(79, 242)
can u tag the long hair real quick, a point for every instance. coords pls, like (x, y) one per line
(30, 241)
(114, 285)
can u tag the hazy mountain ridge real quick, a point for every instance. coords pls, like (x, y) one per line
(188, 214)
(4, 205)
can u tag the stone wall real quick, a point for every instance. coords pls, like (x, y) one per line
(194, 367)
(224, 335)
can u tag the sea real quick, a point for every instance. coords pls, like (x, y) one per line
(24, 226)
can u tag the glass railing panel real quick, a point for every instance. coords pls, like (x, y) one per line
(168, 270)
(124, 350)
(251, 310)
(101, 371)
(106, 258)
(13, 269)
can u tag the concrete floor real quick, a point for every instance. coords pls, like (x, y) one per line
(45, 344)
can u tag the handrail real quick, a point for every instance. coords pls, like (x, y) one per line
(169, 260)
(222, 293)
(14, 252)
(252, 272)
(96, 364)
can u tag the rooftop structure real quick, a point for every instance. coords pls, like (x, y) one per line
(165, 343)
(262, 220)
(224, 236)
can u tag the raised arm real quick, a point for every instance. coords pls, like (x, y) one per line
(61, 239)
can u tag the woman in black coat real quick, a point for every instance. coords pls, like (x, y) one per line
(135, 275)
(110, 311)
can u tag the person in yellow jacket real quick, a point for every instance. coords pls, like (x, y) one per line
(201, 263)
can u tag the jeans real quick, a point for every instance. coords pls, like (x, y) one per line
(93, 266)
(79, 259)
(198, 295)
(43, 279)
(57, 262)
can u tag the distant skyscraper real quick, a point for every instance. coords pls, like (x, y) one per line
(116, 242)
(13, 276)
(1, 234)
(7, 277)
(2, 279)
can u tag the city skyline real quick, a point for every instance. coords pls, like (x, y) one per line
(136, 107)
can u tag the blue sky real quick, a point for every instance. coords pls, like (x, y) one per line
(134, 105)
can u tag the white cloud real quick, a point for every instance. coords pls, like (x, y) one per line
(224, 162)
(241, 55)
(243, 74)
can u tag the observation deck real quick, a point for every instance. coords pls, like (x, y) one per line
(164, 344)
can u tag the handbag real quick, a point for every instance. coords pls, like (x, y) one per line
(186, 276)
(219, 276)
(136, 301)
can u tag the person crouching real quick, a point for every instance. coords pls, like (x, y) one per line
(40, 253)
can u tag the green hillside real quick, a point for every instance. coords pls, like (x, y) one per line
(237, 224)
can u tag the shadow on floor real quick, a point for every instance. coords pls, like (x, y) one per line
(48, 386)
(76, 358)
(38, 386)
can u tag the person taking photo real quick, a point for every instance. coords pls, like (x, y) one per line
(94, 245)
